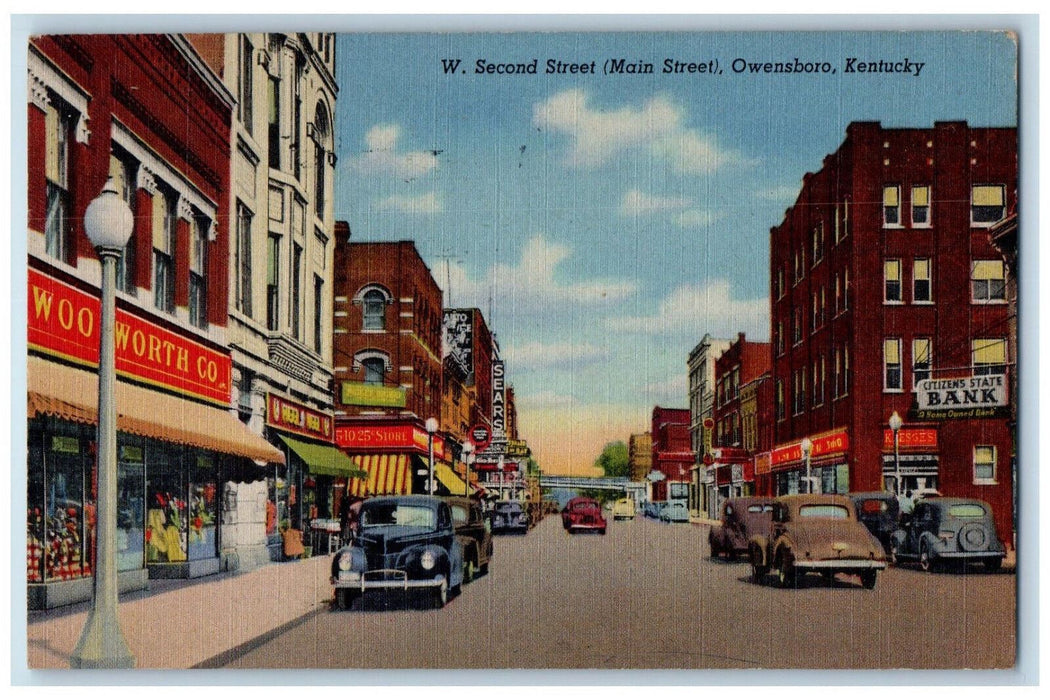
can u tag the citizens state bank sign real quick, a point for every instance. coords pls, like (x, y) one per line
(961, 397)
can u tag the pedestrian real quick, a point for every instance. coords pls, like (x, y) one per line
(907, 504)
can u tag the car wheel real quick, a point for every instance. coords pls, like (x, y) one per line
(868, 578)
(894, 558)
(715, 552)
(758, 572)
(440, 594)
(924, 558)
(992, 565)
(786, 574)
(484, 569)
(469, 570)
(828, 576)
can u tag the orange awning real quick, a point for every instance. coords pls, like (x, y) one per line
(72, 394)
(388, 474)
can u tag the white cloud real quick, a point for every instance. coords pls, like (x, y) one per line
(781, 193)
(537, 355)
(657, 127)
(407, 204)
(636, 202)
(696, 217)
(381, 156)
(531, 285)
(694, 310)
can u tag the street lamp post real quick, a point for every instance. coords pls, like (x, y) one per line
(807, 450)
(432, 426)
(468, 455)
(108, 223)
(895, 426)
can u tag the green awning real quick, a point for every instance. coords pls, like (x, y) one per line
(323, 459)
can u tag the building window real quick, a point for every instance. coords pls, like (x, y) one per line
(845, 289)
(984, 464)
(891, 363)
(164, 223)
(800, 264)
(199, 272)
(123, 168)
(921, 359)
(780, 338)
(818, 243)
(891, 270)
(989, 356)
(318, 313)
(988, 204)
(837, 376)
(837, 225)
(58, 125)
(243, 261)
(891, 205)
(780, 283)
(273, 270)
(244, 396)
(845, 217)
(799, 324)
(375, 368)
(920, 206)
(374, 303)
(297, 276)
(244, 84)
(846, 377)
(780, 400)
(273, 123)
(798, 399)
(297, 119)
(922, 289)
(818, 383)
(988, 280)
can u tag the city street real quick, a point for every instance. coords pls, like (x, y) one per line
(647, 596)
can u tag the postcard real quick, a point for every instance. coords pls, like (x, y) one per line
(369, 350)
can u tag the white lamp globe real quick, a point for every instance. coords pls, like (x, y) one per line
(108, 221)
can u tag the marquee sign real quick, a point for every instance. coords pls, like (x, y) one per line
(826, 444)
(296, 418)
(390, 437)
(962, 397)
(911, 438)
(499, 402)
(64, 321)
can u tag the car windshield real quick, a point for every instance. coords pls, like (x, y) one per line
(459, 514)
(387, 514)
(824, 510)
(759, 508)
(584, 506)
(966, 510)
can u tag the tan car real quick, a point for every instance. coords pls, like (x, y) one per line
(816, 533)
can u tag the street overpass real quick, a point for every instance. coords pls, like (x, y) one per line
(634, 489)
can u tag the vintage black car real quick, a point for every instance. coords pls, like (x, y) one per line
(880, 512)
(402, 543)
(948, 530)
(509, 516)
(475, 534)
(742, 518)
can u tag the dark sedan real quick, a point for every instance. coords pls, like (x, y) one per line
(509, 517)
(949, 531)
(742, 518)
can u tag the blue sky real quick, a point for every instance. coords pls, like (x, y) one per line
(604, 223)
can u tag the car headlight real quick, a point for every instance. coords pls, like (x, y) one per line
(346, 561)
(428, 560)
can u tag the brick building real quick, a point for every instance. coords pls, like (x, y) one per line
(672, 453)
(882, 276)
(701, 366)
(149, 115)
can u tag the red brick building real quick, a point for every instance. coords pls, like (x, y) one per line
(882, 276)
(145, 112)
(672, 453)
(739, 365)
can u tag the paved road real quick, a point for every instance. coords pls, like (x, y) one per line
(647, 596)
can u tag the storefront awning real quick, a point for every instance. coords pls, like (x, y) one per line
(72, 394)
(323, 459)
(450, 479)
(388, 474)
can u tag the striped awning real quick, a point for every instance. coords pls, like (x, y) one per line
(450, 479)
(388, 474)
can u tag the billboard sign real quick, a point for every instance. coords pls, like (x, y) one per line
(458, 341)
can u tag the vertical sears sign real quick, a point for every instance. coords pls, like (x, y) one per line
(458, 341)
(499, 403)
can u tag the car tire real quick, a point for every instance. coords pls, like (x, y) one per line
(992, 565)
(894, 557)
(484, 569)
(868, 578)
(439, 595)
(758, 573)
(715, 551)
(786, 574)
(925, 563)
(469, 570)
(601, 531)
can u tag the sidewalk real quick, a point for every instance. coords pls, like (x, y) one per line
(179, 624)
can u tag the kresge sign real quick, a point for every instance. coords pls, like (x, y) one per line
(961, 397)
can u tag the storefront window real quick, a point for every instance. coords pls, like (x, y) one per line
(792, 482)
(66, 553)
(131, 513)
(166, 521)
(827, 480)
(203, 508)
(842, 480)
(35, 525)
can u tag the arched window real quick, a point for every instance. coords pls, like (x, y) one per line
(322, 136)
(374, 310)
(374, 369)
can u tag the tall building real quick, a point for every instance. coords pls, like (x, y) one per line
(640, 455)
(672, 454)
(146, 113)
(279, 273)
(701, 365)
(888, 298)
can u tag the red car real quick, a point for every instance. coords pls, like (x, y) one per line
(582, 513)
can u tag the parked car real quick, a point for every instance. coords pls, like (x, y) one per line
(674, 512)
(942, 530)
(584, 514)
(816, 533)
(651, 509)
(880, 513)
(741, 519)
(402, 542)
(623, 509)
(475, 535)
(509, 516)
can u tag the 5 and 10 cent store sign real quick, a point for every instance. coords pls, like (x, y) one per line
(64, 321)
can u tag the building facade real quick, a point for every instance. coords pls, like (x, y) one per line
(672, 454)
(701, 365)
(639, 456)
(886, 293)
(279, 270)
(123, 108)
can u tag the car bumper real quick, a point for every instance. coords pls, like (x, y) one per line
(587, 526)
(384, 579)
(840, 565)
(968, 555)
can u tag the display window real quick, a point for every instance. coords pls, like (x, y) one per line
(203, 507)
(167, 525)
(131, 503)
